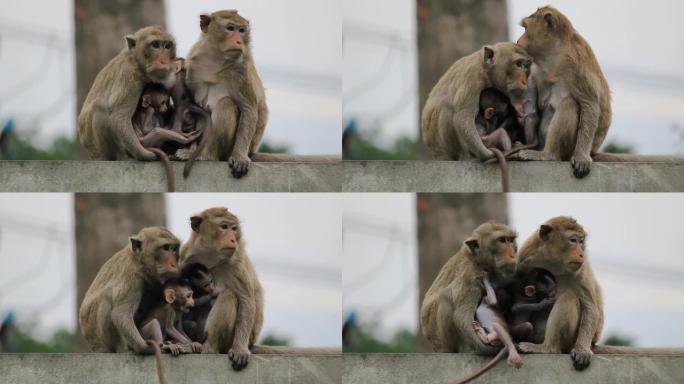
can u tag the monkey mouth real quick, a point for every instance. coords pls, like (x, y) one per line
(576, 264)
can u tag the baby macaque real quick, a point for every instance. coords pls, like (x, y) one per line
(490, 324)
(165, 321)
(494, 119)
(205, 293)
(151, 118)
(534, 293)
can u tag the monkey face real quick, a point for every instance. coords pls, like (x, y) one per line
(157, 250)
(166, 260)
(155, 50)
(160, 102)
(185, 302)
(218, 232)
(558, 247)
(228, 30)
(493, 247)
(541, 31)
(508, 67)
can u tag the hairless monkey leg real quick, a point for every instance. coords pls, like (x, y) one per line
(158, 136)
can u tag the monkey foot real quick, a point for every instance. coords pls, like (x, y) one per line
(514, 360)
(581, 165)
(581, 358)
(239, 357)
(239, 165)
(526, 347)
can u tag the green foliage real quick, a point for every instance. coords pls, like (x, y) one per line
(20, 147)
(616, 147)
(617, 339)
(275, 340)
(21, 341)
(274, 148)
(363, 146)
(363, 340)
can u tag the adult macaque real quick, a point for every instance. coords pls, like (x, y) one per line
(223, 79)
(205, 293)
(576, 319)
(106, 314)
(573, 94)
(105, 122)
(165, 321)
(448, 119)
(449, 305)
(236, 318)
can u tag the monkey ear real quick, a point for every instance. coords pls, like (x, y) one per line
(545, 231)
(146, 101)
(204, 22)
(473, 244)
(551, 21)
(130, 41)
(136, 245)
(195, 222)
(488, 113)
(488, 55)
(180, 63)
(169, 295)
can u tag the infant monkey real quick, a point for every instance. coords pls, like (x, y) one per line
(205, 293)
(165, 321)
(151, 119)
(490, 324)
(494, 118)
(534, 293)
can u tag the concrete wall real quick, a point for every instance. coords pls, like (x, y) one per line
(350, 176)
(87, 368)
(537, 369)
(547, 176)
(135, 176)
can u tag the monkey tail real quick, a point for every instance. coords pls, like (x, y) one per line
(615, 350)
(203, 142)
(157, 358)
(277, 350)
(170, 180)
(520, 148)
(283, 157)
(627, 157)
(490, 364)
(504, 167)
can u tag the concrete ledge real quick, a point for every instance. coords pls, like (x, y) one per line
(538, 176)
(82, 368)
(537, 369)
(136, 176)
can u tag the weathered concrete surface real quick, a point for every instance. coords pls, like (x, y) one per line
(538, 176)
(136, 176)
(82, 368)
(537, 369)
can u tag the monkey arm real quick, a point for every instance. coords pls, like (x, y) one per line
(129, 142)
(589, 113)
(490, 295)
(122, 317)
(246, 126)
(532, 307)
(203, 300)
(466, 131)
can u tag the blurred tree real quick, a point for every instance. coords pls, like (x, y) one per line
(266, 147)
(362, 145)
(21, 341)
(20, 147)
(104, 221)
(447, 31)
(618, 340)
(275, 340)
(362, 339)
(617, 147)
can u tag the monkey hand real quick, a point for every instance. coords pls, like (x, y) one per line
(525, 347)
(196, 347)
(239, 356)
(514, 360)
(239, 165)
(581, 357)
(581, 164)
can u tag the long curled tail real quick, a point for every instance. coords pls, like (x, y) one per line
(490, 364)
(501, 158)
(157, 358)
(170, 180)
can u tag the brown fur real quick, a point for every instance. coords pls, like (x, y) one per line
(105, 122)
(106, 314)
(576, 319)
(449, 305)
(570, 82)
(226, 82)
(235, 321)
(448, 119)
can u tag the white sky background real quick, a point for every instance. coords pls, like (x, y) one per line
(297, 48)
(640, 46)
(300, 272)
(633, 245)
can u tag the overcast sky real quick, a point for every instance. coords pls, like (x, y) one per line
(297, 49)
(633, 245)
(640, 46)
(293, 239)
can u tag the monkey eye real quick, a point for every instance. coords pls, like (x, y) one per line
(225, 226)
(156, 44)
(231, 28)
(242, 30)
